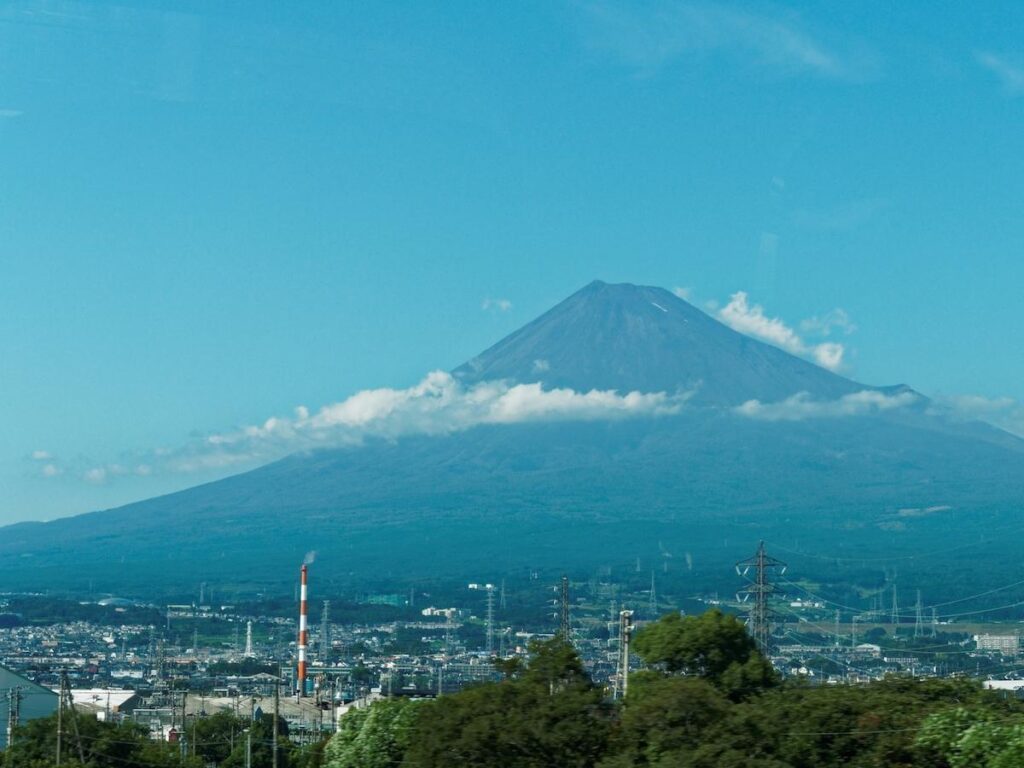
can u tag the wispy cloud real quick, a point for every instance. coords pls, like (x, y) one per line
(95, 475)
(800, 406)
(44, 463)
(845, 216)
(650, 36)
(750, 319)
(682, 293)
(837, 319)
(1010, 74)
(1003, 412)
(7, 114)
(439, 404)
(501, 305)
(98, 475)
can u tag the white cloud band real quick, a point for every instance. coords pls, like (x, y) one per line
(751, 320)
(800, 406)
(439, 404)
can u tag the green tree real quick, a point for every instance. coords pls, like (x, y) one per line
(853, 726)
(259, 735)
(97, 744)
(971, 737)
(714, 645)
(216, 736)
(373, 737)
(663, 719)
(548, 714)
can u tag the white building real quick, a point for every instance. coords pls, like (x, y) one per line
(1008, 645)
(33, 701)
(106, 703)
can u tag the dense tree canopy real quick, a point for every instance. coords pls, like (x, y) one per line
(373, 737)
(714, 646)
(549, 713)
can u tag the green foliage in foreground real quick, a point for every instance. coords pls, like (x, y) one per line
(708, 699)
(373, 737)
(96, 745)
(219, 740)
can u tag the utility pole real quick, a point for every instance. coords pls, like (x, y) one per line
(759, 620)
(13, 713)
(564, 624)
(653, 606)
(625, 631)
(60, 719)
(334, 704)
(491, 620)
(66, 700)
(184, 702)
(895, 611)
(277, 705)
(502, 605)
(448, 632)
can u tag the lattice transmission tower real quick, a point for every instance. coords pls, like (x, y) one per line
(761, 589)
(564, 620)
(326, 641)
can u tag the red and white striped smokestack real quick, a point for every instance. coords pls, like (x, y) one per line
(303, 634)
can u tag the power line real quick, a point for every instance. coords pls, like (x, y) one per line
(907, 614)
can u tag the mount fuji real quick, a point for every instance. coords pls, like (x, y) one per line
(759, 444)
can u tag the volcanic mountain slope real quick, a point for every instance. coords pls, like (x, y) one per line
(638, 338)
(571, 494)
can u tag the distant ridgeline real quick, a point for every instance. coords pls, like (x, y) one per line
(748, 442)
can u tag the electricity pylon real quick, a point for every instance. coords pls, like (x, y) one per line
(759, 619)
(564, 623)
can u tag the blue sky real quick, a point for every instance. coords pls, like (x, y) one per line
(213, 213)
